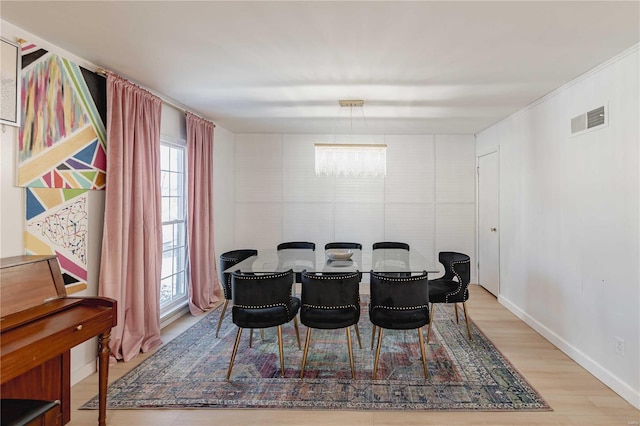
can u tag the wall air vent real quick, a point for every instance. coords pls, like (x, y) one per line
(591, 120)
(595, 117)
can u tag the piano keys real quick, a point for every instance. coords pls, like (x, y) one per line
(39, 326)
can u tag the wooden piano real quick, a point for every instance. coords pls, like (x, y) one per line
(39, 325)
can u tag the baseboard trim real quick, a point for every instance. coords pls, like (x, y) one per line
(174, 315)
(597, 370)
(88, 369)
(83, 372)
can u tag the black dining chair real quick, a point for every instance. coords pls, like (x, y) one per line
(330, 302)
(399, 304)
(297, 245)
(310, 258)
(395, 254)
(262, 301)
(400, 258)
(390, 245)
(453, 286)
(343, 245)
(357, 259)
(227, 260)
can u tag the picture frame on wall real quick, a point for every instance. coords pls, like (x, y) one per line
(9, 82)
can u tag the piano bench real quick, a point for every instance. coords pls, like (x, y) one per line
(29, 412)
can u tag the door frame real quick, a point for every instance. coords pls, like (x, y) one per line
(489, 151)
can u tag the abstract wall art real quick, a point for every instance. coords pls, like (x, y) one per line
(62, 140)
(57, 223)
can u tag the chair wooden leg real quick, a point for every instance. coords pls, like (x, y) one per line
(262, 334)
(466, 317)
(424, 354)
(353, 371)
(358, 335)
(251, 338)
(295, 324)
(233, 354)
(281, 351)
(430, 322)
(224, 309)
(306, 349)
(373, 335)
(455, 307)
(377, 358)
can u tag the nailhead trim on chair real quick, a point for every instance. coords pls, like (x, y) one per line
(406, 279)
(330, 307)
(331, 277)
(406, 308)
(224, 287)
(398, 308)
(453, 293)
(273, 305)
(258, 277)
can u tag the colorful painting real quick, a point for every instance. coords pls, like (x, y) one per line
(62, 139)
(57, 223)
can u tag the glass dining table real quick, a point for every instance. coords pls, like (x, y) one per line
(364, 261)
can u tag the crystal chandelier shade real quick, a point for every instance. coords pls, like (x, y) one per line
(351, 160)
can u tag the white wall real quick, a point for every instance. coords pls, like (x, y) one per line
(569, 213)
(173, 123)
(13, 210)
(427, 198)
(12, 202)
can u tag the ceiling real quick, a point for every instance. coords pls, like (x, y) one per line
(281, 67)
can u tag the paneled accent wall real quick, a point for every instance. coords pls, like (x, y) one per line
(427, 198)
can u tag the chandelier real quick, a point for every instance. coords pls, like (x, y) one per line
(351, 160)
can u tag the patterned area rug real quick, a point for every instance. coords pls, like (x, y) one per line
(190, 371)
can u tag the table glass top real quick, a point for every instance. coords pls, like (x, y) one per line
(381, 260)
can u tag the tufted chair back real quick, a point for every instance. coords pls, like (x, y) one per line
(397, 258)
(227, 260)
(399, 302)
(297, 245)
(330, 301)
(261, 301)
(458, 272)
(309, 258)
(390, 245)
(446, 258)
(343, 245)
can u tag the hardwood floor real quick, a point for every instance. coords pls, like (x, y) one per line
(577, 398)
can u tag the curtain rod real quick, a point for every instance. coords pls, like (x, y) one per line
(103, 72)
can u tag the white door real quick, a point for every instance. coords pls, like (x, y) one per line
(488, 221)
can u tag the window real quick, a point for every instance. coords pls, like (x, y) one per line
(173, 285)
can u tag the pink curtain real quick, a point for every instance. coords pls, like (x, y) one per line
(132, 240)
(204, 289)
